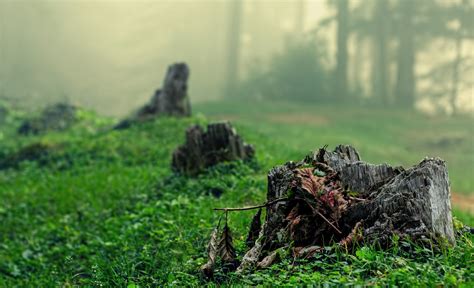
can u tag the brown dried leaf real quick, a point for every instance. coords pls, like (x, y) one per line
(308, 181)
(306, 252)
(293, 213)
(269, 260)
(226, 247)
(255, 227)
(353, 237)
(294, 218)
(212, 247)
(324, 167)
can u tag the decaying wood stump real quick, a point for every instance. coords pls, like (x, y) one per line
(334, 197)
(53, 118)
(171, 100)
(203, 149)
(34, 152)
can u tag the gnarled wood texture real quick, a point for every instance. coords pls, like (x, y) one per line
(203, 149)
(56, 117)
(332, 196)
(171, 100)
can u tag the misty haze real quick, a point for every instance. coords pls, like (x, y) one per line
(96, 53)
(156, 143)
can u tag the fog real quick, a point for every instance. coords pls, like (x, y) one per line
(111, 55)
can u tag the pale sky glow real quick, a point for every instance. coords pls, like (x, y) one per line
(96, 52)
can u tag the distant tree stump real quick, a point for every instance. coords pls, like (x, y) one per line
(203, 149)
(332, 196)
(37, 152)
(171, 100)
(53, 118)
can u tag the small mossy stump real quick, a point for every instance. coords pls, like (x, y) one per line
(57, 117)
(171, 100)
(202, 149)
(33, 152)
(334, 197)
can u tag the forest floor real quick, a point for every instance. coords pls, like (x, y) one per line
(429, 136)
(102, 208)
(382, 136)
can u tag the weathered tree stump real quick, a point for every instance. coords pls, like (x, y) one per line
(37, 152)
(171, 100)
(203, 149)
(53, 118)
(333, 197)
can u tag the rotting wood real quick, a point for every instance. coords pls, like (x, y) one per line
(412, 203)
(57, 117)
(202, 149)
(171, 100)
(252, 207)
(212, 250)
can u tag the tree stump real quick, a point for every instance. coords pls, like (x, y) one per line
(171, 100)
(38, 152)
(334, 197)
(203, 149)
(53, 118)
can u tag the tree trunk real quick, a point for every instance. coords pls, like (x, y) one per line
(332, 196)
(380, 68)
(233, 43)
(171, 100)
(405, 87)
(340, 79)
(455, 77)
(358, 64)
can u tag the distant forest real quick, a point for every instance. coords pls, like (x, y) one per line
(390, 53)
(384, 55)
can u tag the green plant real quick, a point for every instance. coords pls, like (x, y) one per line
(117, 216)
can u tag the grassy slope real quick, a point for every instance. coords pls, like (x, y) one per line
(395, 137)
(107, 211)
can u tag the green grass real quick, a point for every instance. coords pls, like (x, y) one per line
(380, 135)
(105, 209)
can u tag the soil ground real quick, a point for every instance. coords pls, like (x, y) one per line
(463, 202)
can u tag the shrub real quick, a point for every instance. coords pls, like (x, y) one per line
(298, 73)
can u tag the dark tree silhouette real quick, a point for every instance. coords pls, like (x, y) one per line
(463, 31)
(380, 68)
(340, 85)
(233, 57)
(405, 85)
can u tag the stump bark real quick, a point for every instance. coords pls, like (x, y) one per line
(171, 100)
(203, 149)
(334, 197)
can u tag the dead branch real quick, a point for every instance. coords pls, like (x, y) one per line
(252, 207)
